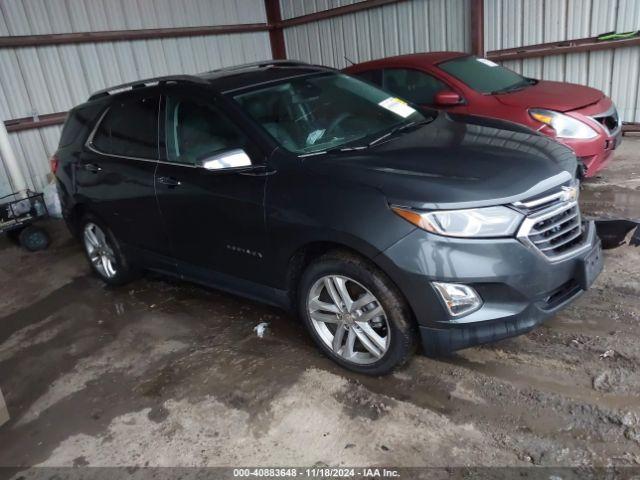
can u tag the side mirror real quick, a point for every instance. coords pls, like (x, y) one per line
(235, 158)
(447, 98)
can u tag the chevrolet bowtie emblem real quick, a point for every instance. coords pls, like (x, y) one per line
(569, 194)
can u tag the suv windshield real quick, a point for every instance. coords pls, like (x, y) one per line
(484, 75)
(322, 112)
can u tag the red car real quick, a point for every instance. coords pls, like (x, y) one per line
(582, 118)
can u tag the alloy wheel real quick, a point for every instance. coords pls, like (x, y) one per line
(349, 319)
(100, 253)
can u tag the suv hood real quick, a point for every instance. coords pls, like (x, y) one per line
(558, 96)
(451, 163)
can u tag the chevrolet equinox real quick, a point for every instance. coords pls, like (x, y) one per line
(379, 222)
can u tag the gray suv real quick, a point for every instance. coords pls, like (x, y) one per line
(379, 223)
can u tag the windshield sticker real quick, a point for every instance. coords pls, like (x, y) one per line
(487, 62)
(314, 136)
(397, 106)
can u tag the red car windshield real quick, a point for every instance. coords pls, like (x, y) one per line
(484, 75)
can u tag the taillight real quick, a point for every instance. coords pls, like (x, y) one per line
(55, 161)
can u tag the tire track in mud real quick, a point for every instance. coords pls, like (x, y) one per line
(511, 400)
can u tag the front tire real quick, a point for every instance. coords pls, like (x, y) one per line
(355, 314)
(104, 254)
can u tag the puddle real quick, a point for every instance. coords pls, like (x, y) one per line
(610, 202)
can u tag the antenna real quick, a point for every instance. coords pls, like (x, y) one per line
(348, 60)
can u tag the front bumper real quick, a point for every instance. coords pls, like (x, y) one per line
(597, 153)
(520, 287)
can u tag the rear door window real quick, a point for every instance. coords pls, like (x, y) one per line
(130, 129)
(413, 85)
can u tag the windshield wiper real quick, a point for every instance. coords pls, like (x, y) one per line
(394, 131)
(334, 150)
(400, 129)
(512, 88)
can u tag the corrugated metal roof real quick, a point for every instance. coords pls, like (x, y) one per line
(297, 8)
(40, 80)
(35, 81)
(32, 17)
(405, 27)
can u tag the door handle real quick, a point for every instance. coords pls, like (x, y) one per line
(169, 181)
(258, 171)
(92, 167)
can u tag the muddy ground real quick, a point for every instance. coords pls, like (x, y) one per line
(166, 373)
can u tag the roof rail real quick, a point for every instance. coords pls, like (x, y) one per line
(260, 64)
(147, 82)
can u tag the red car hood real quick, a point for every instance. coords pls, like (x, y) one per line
(559, 96)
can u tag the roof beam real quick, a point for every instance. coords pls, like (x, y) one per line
(17, 41)
(556, 48)
(334, 12)
(276, 35)
(27, 123)
(477, 27)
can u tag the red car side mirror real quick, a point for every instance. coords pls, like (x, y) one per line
(446, 98)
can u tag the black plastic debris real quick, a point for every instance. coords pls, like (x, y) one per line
(612, 233)
(635, 238)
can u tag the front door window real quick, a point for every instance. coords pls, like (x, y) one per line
(413, 85)
(196, 131)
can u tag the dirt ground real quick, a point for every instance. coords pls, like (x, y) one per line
(166, 373)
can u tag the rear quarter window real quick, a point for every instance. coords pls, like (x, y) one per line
(77, 125)
(130, 128)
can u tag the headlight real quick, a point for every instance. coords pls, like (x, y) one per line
(564, 125)
(475, 222)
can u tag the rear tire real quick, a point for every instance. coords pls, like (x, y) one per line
(34, 238)
(104, 253)
(355, 314)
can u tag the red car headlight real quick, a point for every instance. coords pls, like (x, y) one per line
(564, 125)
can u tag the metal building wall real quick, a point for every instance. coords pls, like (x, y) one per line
(405, 27)
(297, 8)
(40, 80)
(515, 23)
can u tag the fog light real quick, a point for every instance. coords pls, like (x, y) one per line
(459, 299)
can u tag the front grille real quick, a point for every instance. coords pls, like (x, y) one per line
(553, 225)
(609, 119)
(559, 233)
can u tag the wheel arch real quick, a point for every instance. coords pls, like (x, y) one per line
(304, 256)
(309, 252)
(77, 214)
